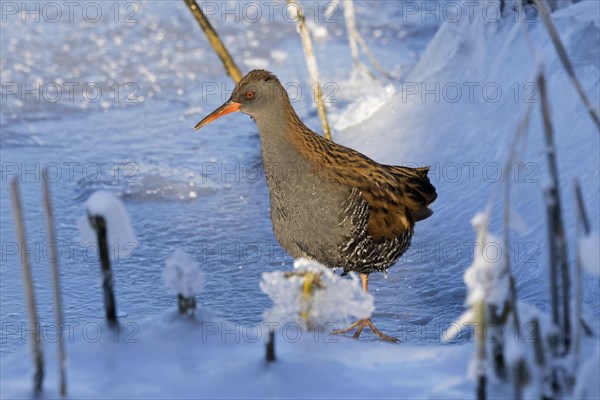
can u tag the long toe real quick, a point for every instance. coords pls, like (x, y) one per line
(360, 326)
(381, 334)
(348, 329)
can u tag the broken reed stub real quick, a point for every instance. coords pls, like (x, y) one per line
(186, 304)
(98, 223)
(270, 347)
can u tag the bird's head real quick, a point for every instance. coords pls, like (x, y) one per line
(257, 92)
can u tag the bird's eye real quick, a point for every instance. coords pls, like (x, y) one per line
(250, 94)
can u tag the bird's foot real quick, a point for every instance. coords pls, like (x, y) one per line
(360, 324)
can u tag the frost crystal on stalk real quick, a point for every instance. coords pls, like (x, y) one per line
(182, 274)
(314, 296)
(120, 235)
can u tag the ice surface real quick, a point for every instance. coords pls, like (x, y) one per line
(334, 301)
(182, 274)
(120, 236)
(517, 223)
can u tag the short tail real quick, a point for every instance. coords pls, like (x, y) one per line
(417, 191)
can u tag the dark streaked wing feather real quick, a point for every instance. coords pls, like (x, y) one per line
(361, 252)
(419, 192)
(393, 193)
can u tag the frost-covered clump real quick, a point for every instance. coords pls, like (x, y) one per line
(183, 277)
(488, 290)
(314, 296)
(487, 277)
(182, 274)
(120, 236)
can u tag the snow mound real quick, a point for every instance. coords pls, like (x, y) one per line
(182, 274)
(120, 235)
(314, 296)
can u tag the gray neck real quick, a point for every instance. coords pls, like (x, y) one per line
(279, 152)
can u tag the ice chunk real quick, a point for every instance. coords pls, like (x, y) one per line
(182, 274)
(366, 96)
(120, 235)
(327, 299)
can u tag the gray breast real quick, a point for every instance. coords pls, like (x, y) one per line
(325, 221)
(305, 212)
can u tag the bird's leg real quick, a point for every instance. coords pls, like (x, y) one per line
(361, 323)
(364, 278)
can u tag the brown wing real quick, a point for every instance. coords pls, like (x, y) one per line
(396, 195)
(388, 215)
(418, 192)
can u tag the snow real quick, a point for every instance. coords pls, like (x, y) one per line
(366, 96)
(167, 356)
(332, 302)
(171, 357)
(587, 386)
(120, 236)
(589, 252)
(182, 274)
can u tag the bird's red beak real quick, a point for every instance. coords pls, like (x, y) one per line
(227, 108)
